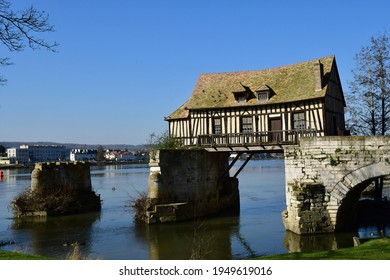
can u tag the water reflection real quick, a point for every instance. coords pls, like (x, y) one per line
(11, 176)
(53, 236)
(202, 239)
(374, 231)
(317, 242)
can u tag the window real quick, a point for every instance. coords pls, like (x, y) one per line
(262, 96)
(246, 124)
(299, 122)
(217, 126)
(241, 97)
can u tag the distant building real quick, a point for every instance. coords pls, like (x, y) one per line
(120, 156)
(37, 153)
(18, 155)
(83, 154)
(5, 160)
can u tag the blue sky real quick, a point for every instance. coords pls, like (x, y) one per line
(123, 65)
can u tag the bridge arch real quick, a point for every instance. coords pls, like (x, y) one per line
(346, 193)
(325, 177)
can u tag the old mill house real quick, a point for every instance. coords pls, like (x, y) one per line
(262, 107)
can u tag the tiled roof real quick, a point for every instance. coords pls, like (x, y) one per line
(289, 83)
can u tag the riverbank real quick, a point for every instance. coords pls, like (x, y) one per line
(376, 249)
(6, 255)
(15, 166)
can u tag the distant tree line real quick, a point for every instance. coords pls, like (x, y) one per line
(2, 150)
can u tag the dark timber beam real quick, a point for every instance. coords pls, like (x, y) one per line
(231, 165)
(243, 165)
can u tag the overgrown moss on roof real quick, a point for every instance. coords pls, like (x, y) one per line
(289, 83)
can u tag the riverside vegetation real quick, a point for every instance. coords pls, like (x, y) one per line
(57, 201)
(74, 254)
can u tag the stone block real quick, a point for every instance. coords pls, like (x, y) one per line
(342, 188)
(333, 216)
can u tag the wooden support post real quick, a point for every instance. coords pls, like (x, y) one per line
(230, 166)
(243, 165)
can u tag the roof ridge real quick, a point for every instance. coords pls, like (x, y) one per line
(291, 83)
(269, 68)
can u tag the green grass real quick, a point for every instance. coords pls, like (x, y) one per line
(6, 255)
(376, 249)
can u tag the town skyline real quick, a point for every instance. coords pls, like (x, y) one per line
(112, 146)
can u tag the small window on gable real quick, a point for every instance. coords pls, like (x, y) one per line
(263, 95)
(240, 97)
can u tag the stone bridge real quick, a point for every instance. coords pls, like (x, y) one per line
(325, 177)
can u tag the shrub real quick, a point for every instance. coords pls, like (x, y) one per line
(140, 205)
(55, 201)
(163, 141)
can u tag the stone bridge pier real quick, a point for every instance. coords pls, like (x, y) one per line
(186, 184)
(325, 177)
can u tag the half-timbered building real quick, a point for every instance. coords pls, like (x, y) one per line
(262, 106)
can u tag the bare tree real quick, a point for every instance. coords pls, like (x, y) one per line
(18, 28)
(369, 100)
(369, 97)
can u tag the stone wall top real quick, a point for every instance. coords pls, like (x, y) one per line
(345, 140)
(71, 175)
(80, 163)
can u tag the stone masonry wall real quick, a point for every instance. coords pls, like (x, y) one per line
(71, 175)
(321, 171)
(188, 183)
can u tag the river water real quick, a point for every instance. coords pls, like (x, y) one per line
(112, 234)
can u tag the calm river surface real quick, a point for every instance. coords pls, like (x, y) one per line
(112, 235)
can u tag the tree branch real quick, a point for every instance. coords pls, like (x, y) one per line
(17, 27)
(20, 28)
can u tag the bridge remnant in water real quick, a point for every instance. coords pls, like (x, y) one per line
(184, 184)
(58, 188)
(325, 177)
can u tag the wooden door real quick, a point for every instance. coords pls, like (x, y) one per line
(275, 128)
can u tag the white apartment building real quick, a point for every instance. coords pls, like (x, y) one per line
(18, 155)
(37, 153)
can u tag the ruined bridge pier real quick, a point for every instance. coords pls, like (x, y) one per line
(184, 184)
(325, 177)
(59, 188)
